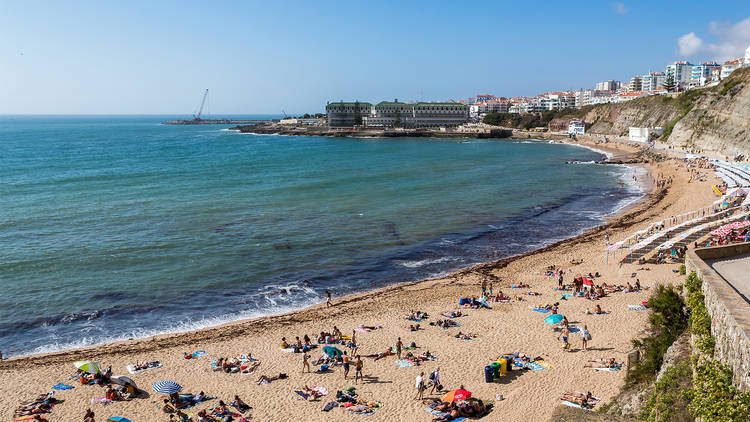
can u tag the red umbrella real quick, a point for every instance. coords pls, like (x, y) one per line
(456, 395)
(587, 282)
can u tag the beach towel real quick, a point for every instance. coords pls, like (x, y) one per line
(403, 363)
(101, 400)
(534, 366)
(607, 369)
(451, 317)
(637, 307)
(440, 414)
(303, 395)
(542, 310)
(62, 386)
(199, 353)
(574, 329)
(330, 406)
(132, 370)
(414, 319)
(288, 349)
(592, 403)
(545, 364)
(361, 414)
(362, 330)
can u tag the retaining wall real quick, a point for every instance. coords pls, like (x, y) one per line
(730, 313)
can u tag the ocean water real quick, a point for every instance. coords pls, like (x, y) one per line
(115, 227)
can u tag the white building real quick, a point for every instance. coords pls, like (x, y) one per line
(680, 73)
(635, 84)
(701, 73)
(652, 81)
(644, 134)
(610, 85)
(576, 127)
(729, 67)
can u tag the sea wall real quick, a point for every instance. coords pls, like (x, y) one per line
(730, 314)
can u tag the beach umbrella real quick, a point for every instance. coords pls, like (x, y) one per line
(167, 387)
(332, 352)
(118, 419)
(123, 380)
(456, 395)
(554, 319)
(587, 282)
(90, 367)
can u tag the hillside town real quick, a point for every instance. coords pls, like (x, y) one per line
(676, 77)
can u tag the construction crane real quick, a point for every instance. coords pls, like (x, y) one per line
(200, 110)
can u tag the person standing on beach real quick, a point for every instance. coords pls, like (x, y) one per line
(328, 299)
(560, 281)
(564, 334)
(585, 337)
(606, 238)
(346, 359)
(434, 379)
(399, 345)
(358, 369)
(484, 287)
(305, 362)
(420, 386)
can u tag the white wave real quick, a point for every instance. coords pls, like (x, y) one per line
(423, 262)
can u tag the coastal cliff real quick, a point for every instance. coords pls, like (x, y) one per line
(713, 119)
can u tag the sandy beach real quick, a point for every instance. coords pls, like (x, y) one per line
(506, 328)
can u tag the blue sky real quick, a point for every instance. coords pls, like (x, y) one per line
(79, 57)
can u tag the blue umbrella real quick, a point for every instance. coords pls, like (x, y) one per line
(553, 319)
(167, 387)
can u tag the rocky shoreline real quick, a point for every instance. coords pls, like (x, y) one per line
(278, 129)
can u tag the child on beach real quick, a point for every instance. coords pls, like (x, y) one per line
(564, 335)
(305, 362)
(420, 386)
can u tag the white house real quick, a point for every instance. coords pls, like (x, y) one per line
(576, 127)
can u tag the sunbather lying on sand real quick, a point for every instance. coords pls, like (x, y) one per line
(388, 352)
(602, 363)
(520, 286)
(447, 323)
(138, 366)
(415, 327)
(265, 379)
(583, 399)
(240, 405)
(465, 336)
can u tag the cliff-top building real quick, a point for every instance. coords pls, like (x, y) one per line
(397, 114)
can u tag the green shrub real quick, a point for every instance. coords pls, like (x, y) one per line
(668, 320)
(714, 397)
(668, 402)
(682, 269)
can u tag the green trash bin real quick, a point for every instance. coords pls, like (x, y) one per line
(495, 369)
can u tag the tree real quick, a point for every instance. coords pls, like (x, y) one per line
(669, 84)
(357, 114)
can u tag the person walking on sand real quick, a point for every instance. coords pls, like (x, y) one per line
(328, 299)
(434, 379)
(585, 337)
(420, 386)
(606, 238)
(399, 345)
(346, 359)
(305, 362)
(564, 334)
(358, 369)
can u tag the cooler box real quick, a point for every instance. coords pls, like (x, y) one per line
(503, 366)
(488, 374)
(495, 369)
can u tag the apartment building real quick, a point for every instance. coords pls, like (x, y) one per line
(652, 81)
(680, 73)
(701, 73)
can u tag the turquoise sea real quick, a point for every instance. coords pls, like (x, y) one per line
(114, 227)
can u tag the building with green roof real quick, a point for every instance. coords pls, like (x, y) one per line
(397, 114)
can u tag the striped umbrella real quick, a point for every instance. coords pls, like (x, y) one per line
(167, 387)
(90, 367)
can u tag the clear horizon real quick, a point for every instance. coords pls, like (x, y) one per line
(87, 58)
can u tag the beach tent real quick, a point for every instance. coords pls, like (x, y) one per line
(332, 352)
(554, 319)
(87, 366)
(123, 380)
(456, 395)
(167, 387)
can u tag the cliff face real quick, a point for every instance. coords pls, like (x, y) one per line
(710, 119)
(720, 119)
